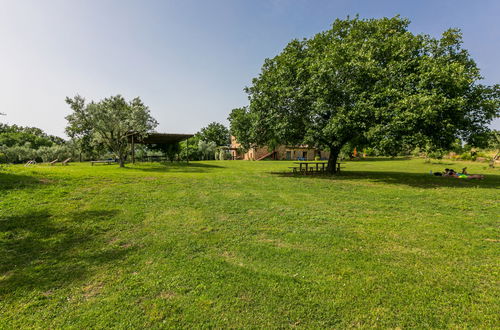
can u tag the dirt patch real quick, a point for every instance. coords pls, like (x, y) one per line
(168, 295)
(45, 181)
(47, 293)
(125, 245)
(92, 290)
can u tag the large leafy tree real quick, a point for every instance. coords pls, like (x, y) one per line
(110, 122)
(370, 81)
(215, 132)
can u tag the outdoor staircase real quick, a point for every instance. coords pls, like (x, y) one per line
(266, 155)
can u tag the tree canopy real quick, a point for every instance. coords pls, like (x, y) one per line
(215, 132)
(370, 81)
(110, 122)
(14, 135)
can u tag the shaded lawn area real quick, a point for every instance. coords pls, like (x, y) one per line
(241, 244)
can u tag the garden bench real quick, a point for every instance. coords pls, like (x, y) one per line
(53, 162)
(30, 162)
(65, 162)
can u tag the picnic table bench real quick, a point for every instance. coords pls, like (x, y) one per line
(312, 167)
(106, 161)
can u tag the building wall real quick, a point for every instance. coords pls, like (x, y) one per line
(281, 152)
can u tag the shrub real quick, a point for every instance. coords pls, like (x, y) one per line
(371, 152)
(18, 154)
(466, 156)
(48, 154)
(435, 154)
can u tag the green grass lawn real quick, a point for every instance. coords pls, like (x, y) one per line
(236, 244)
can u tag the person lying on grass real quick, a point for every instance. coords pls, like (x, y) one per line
(463, 175)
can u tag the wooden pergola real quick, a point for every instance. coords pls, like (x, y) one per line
(157, 138)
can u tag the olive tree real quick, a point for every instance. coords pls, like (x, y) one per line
(110, 122)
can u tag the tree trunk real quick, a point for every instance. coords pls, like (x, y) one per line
(332, 161)
(122, 162)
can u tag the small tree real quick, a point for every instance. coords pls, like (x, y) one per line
(216, 133)
(110, 122)
(207, 149)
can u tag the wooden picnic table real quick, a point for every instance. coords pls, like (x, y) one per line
(107, 161)
(313, 165)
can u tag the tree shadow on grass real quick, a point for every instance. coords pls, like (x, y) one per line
(419, 180)
(10, 181)
(175, 167)
(379, 159)
(38, 253)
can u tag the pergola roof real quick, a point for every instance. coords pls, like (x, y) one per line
(162, 138)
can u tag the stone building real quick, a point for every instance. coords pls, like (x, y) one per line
(281, 152)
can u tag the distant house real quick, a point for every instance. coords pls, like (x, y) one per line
(281, 152)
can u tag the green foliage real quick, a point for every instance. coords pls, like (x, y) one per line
(31, 137)
(494, 140)
(207, 149)
(170, 150)
(189, 149)
(436, 154)
(241, 127)
(18, 153)
(20, 144)
(21, 138)
(109, 123)
(372, 81)
(222, 154)
(467, 156)
(60, 152)
(216, 133)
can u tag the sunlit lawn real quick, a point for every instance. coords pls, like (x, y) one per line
(236, 244)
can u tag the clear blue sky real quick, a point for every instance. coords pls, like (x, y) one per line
(188, 60)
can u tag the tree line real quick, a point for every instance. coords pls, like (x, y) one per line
(103, 129)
